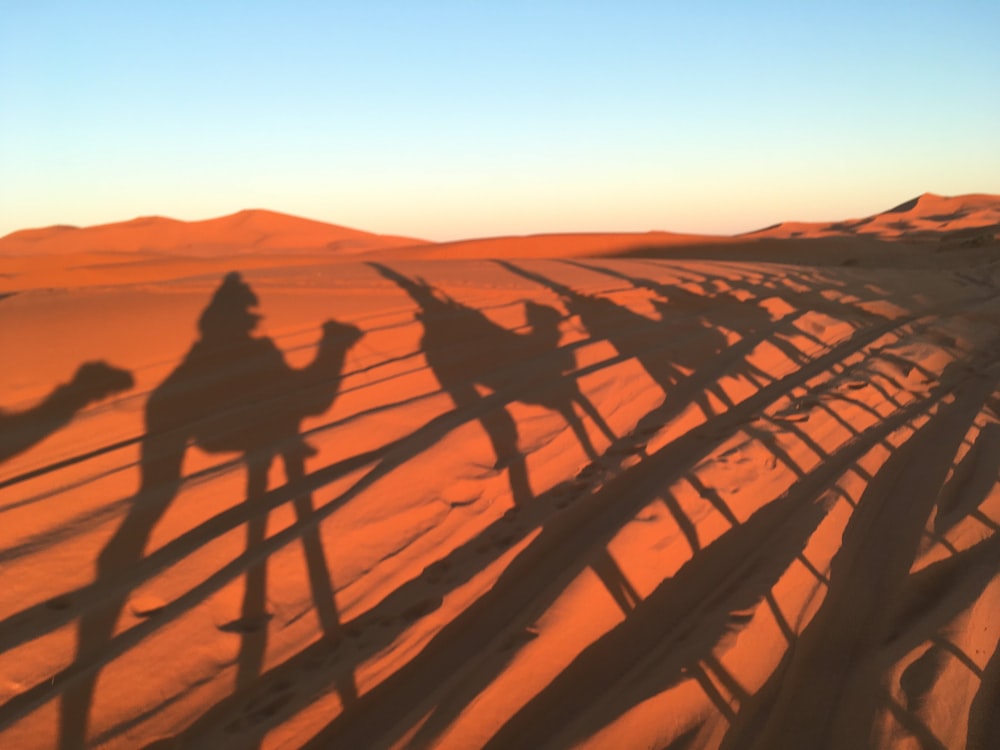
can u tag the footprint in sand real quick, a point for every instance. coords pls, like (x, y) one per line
(437, 571)
(146, 605)
(316, 663)
(417, 610)
(504, 541)
(632, 459)
(793, 413)
(269, 709)
(59, 603)
(265, 706)
(518, 639)
(244, 625)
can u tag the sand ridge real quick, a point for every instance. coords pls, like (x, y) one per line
(926, 217)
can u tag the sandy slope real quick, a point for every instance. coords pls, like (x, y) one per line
(602, 503)
(926, 217)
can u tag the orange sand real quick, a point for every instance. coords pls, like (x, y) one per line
(395, 494)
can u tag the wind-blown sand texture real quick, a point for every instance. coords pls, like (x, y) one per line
(391, 497)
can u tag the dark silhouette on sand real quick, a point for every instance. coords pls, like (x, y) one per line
(686, 341)
(464, 348)
(93, 381)
(233, 392)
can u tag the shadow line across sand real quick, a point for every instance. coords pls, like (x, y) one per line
(590, 522)
(845, 641)
(419, 441)
(588, 511)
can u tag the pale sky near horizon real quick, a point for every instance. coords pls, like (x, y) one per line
(455, 119)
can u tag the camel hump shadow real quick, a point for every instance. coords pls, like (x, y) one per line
(464, 348)
(463, 345)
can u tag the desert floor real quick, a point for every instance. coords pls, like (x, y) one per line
(596, 503)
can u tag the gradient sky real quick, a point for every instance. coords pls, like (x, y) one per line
(455, 119)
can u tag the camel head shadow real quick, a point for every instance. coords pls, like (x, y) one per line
(92, 382)
(326, 369)
(95, 381)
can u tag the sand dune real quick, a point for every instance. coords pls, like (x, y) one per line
(154, 248)
(239, 232)
(926, 217)
(392, 500)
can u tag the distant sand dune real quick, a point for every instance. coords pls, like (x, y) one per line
(529, 502)
(926, 217)
(256, 229)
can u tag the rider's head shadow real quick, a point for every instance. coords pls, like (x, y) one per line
(231, 313)
(543, 321)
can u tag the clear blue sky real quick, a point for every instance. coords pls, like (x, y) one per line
(456, 119)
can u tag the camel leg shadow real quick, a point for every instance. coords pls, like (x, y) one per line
(161, 469)
(320, 580)
(565, 409)
(252, 623)
(501, 429)
(614, 580)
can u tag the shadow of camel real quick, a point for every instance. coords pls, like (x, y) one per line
(683, 339)
(233, 392)
(464, 348)
(93, 381)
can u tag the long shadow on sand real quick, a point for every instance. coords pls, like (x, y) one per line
(573, 534)
(36, 620)
(464, 349)
(521, 592)
(380, 626)
(686, 341)
(659, 644)
(233, 392)
(984, 721)
(570, 530)
(562, 549)
(857, 625)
